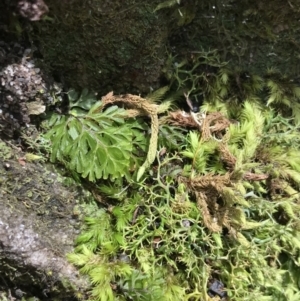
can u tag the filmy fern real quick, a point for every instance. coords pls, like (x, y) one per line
(96, 144)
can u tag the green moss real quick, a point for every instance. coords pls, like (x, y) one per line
(222, 206)
(171, 243)
(5, 151)
(103, 46)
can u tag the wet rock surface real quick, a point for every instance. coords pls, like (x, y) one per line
(37, 229)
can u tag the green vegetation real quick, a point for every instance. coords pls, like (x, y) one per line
(97, 144)
(195, 198)
(219, 203)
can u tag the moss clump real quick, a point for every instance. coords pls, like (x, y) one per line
(103, 45)
(219, 207)
(224, 209)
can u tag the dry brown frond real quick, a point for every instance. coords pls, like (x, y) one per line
(226, 156)
(139, 104)
(181, 118)
(207, 189)
(255, 177)
(209, 220)
(214, 123)
(210, 181)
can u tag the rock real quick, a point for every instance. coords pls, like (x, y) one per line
(21, 84)
(104, 45)
(37, 230)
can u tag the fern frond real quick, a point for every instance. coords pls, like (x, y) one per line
(296, 91)
(85, 100)
(285, 157)
(81, 259)
(288, 208)
(144, 257)
(246, 136)
(257, 83)
(171, 137)
(250, 225)
(237, 216)
(295, 107)
(224, 75)
(293, 159)
(96, 145)
(101, 274)
(292, 174)
(157, 95)
(216, 106)
(98, 230)
(275, 92)
(103, 293)
(242, 239)
(232, 197)
(173, 291)
(253, 113)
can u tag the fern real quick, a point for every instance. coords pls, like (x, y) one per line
(165, 239)
(84, 101)
(96, 235)
(171, 137)
(139, 286)
(101, 272)
(95, 145)
(157, 95)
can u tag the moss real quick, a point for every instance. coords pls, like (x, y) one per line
(250, 35)
(103, 45)
(214, 212)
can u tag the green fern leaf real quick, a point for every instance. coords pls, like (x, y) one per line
(288, 208)
(103, 293)
(85, 101)
(80, 259)
(204, 154)
(96, 145)
(157, 95)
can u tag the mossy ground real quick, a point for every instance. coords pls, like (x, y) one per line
(220, 204)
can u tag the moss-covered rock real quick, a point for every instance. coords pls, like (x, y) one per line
(39, 219)
(104, 45)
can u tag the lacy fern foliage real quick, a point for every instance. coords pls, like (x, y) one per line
(96, 145)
